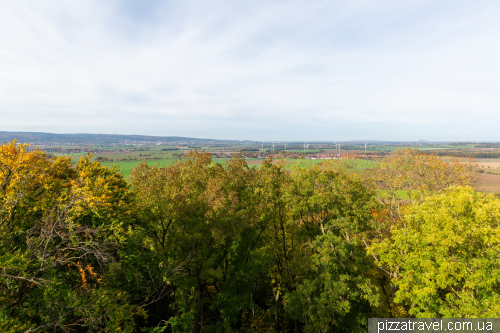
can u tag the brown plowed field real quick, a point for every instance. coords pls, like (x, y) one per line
(489, 183)
(491, 165)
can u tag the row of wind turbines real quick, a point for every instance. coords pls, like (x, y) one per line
(272, 147)
(306, 146)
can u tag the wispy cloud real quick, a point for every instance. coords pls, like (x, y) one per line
(282, 70)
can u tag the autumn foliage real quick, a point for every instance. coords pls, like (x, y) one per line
(204, 247)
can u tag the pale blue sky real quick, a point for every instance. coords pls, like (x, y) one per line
(257, 70)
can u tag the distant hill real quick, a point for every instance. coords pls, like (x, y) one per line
(41, 138)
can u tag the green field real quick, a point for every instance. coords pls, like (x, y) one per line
(359, 166)
(127, 166)
(127, 157)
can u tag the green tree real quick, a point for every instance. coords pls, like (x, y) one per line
(446, 255)
(279, 253)
(334, 209)
(202, 218)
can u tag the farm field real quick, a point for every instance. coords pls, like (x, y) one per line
(489, 183)
(424, 148)
(127, 157)
(127, 166)
(360, 166)
(489, 163)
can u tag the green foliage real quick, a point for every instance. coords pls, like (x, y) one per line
(447, 254)
(248, 238)
(335, 291)
(204, 246)
(199, 216)
(337, 294)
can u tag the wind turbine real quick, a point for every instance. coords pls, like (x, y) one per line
(262, 146)
(365, 147)
(285, 146)
(273, 146)
(304, 147)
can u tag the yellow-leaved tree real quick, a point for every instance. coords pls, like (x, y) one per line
(403, 179)
(445, 259)
(60, 227)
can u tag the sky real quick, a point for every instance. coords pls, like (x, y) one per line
(253, 70)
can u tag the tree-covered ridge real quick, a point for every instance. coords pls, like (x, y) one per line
(204, 247)
(113, 139)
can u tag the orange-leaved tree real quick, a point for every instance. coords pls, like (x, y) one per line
(60, 227)
(408, 175)
(404, 179)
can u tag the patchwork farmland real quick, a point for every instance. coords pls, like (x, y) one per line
(126, 157)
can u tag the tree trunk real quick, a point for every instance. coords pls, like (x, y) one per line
(276, 317)
(199, 312)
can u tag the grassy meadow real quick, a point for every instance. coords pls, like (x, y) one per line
(359, 166)
(127, 157)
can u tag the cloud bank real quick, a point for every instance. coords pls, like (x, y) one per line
(260, 70)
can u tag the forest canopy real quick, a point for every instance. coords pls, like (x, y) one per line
(205, 247)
